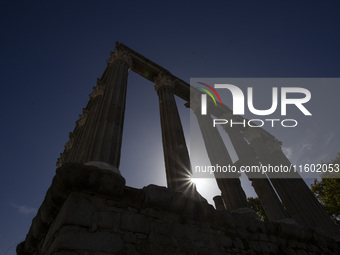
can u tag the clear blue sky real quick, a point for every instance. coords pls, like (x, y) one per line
(53, 51)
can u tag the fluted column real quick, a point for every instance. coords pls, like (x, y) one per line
(300, 202)
(77, 134)
(87, 120)
(176, 156)
(229, 183)
(77, 146)
(264, 190)
(68, 148)
(105, 139)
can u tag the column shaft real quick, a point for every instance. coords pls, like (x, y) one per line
(264, 190)
(176, 156)
(81, 146)
(219, 205)
(229, 183)
(107, 130)
(86, 123)
(300, 202)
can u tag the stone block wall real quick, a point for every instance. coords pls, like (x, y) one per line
(90, 211)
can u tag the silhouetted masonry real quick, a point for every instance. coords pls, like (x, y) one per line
(89, 210)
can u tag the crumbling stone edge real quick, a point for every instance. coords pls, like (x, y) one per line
(69, 177)
(74, 177)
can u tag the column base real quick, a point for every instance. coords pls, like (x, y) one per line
(103, 165)
(199, 197)
(247, 212)
(219, 205)
(288, 221)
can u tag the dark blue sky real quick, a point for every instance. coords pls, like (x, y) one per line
(53, 51)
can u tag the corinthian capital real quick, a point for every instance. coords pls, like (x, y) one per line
(164, 80)
(120, 55)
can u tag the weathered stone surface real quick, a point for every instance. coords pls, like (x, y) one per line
(238, 243)
(289, 231)
(225, 241)
(158, 197)
(21, 249)
(135, 223)
(91, 179)
(65, 253)
(219, 205)
(108, 220)
(76, 238)
(77, 210)
(49, 210)
(184, 231)
(156, 220)
(132, 198)
(70, 177)
(161, 227)
(129, 249)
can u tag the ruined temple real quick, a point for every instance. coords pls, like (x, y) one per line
(88, 209)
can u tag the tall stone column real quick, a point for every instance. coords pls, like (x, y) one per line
(76, 147)
(300, 202)
(77, 134)
(88, 122)
(176, 156)
(229, 183)
(104, 146)
(264, 190)
(219, 205)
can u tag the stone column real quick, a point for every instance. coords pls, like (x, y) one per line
(176, 156)
(87, 120)
(219, 205)
(75, 148)
(105, 138)
(77, 134)
(264, 190)
(232, 193)
(300, 202)
(68, 148)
